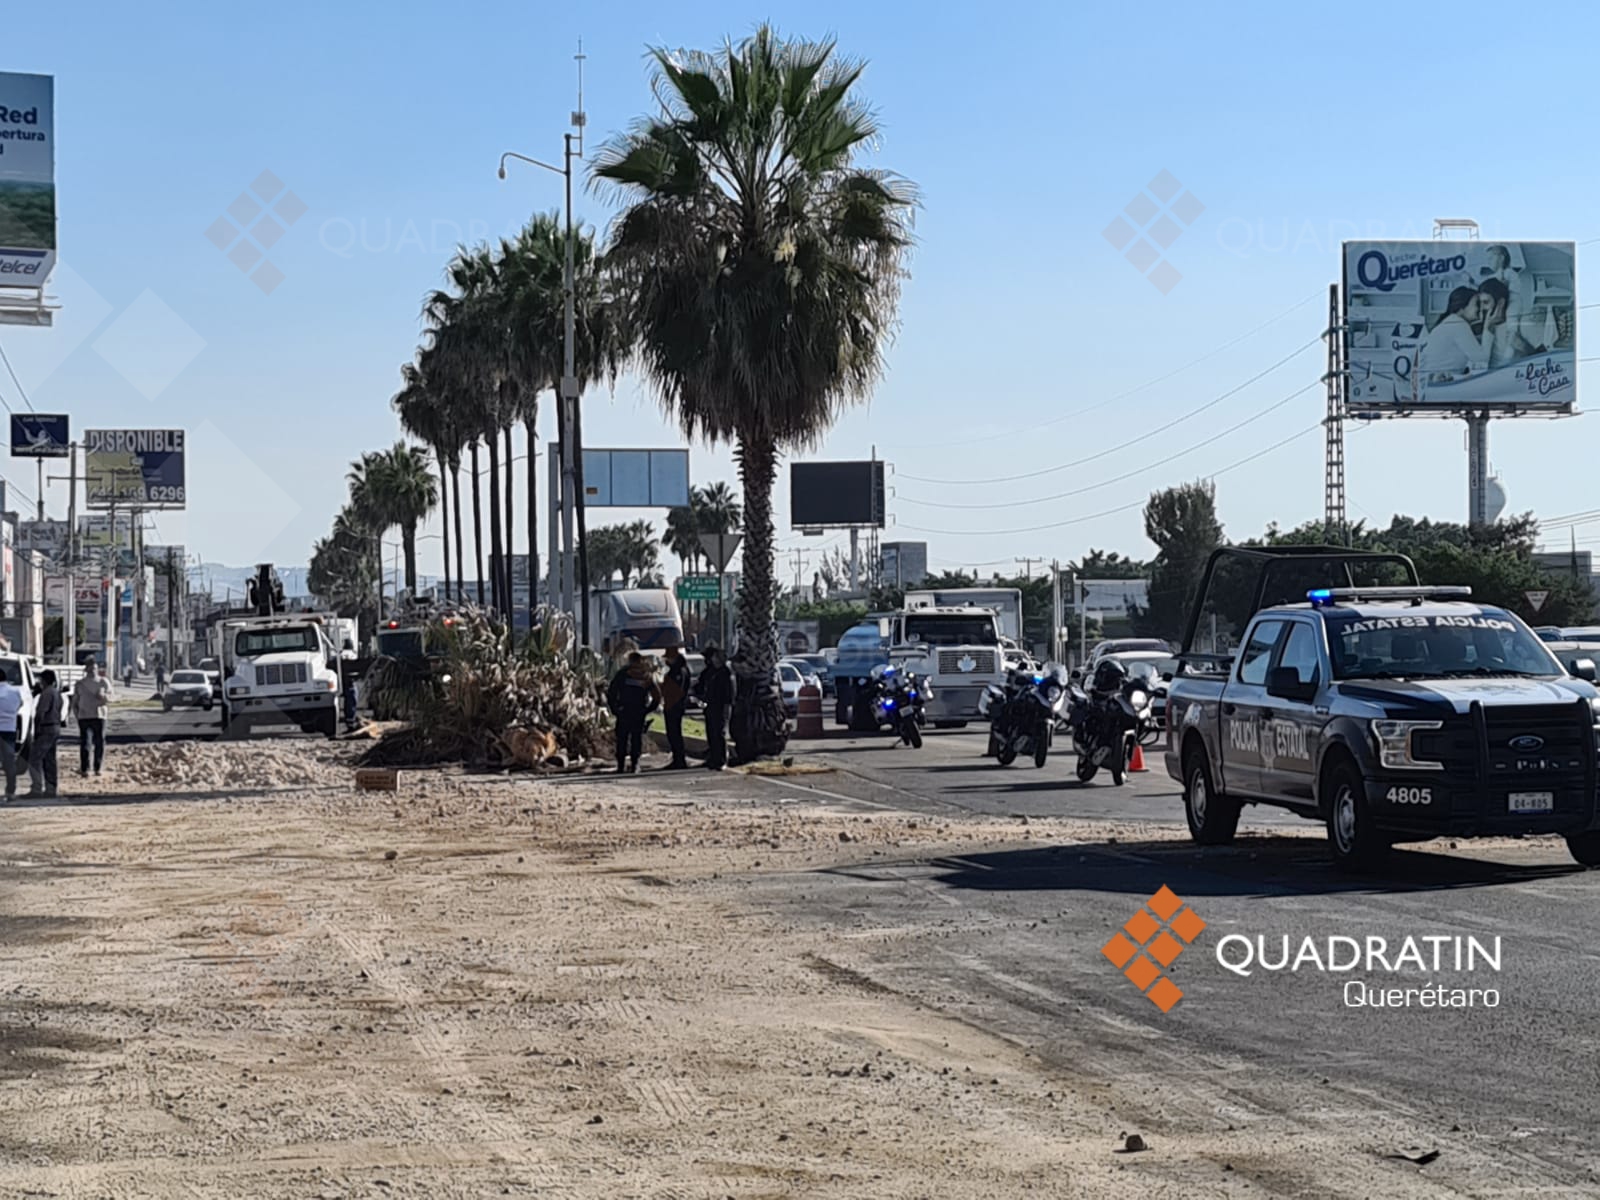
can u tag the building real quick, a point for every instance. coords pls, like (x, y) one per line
(903, 564)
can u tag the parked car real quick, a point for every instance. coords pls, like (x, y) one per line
(19, 670)
(188, 689)
(790, 680)
(808, 673)
(817, 665)
(1124, 645)
(212, 669)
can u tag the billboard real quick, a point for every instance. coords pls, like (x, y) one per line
(47, 537)
(27, 180)
(836, 495)
(136, 468)
(799, 637)
(635, 478)
(905, 564)
(40, 435)
(1448, 326)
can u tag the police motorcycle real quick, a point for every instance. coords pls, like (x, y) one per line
(897, 698)
(1110, 718)
(1023, 714)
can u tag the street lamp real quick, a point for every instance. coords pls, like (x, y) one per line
(568, 419)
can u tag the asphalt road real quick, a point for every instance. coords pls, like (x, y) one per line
(146, 722)
(1011, 939)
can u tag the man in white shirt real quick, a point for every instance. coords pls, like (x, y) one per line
(11, 704)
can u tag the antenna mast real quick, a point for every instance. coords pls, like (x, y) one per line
(580, 118)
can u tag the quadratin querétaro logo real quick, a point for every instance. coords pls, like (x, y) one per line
(1149, 224)
(1164, 926)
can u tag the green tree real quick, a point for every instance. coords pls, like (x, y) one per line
(1100, 564)
(629, 550)
(395, 487)
(760, 268)
(1182, 522)
(342, 572)
(426, 414)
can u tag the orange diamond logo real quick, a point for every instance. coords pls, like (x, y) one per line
(1162, 927)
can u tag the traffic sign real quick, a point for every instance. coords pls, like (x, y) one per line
(699, 587)
(719, 548)
(1536, 599)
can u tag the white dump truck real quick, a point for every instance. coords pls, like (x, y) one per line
(279, 669)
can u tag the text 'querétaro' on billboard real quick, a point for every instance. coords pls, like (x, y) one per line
(1460, 326)
(134, 468)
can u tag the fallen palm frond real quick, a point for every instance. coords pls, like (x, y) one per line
(486, 702)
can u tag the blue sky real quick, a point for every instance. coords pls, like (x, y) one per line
(1027, 127)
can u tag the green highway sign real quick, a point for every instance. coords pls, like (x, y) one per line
(698, 587)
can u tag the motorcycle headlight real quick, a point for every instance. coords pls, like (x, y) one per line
(1393, 739)
(1138, 698)
(1052, 693)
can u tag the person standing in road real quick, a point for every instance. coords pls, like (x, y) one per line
(674, 703)
(12, 701)
(632, 696)
(47, 713)
(90, 701)
(715, 688)
(161, 678)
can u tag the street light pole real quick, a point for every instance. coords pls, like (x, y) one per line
(573, 594)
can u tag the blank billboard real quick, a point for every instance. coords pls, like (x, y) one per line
(635, 478)
(836, 495)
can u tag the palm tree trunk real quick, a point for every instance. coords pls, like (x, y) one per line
(511, 525)
(758, 726)
(444, 515)
(497, 571)
(408, 540)
(477, 522)
(530, 424)
(455, 489)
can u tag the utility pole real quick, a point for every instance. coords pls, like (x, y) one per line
(1028, 565)
(800, 558)
(1055, 610)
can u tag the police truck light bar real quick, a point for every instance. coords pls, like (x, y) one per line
(1321, 597)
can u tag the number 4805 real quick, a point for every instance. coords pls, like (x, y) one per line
(1409, 795)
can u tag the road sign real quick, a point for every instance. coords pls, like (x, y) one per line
(698, 587)
(39, 435)
(719, 548)
(1536, 599)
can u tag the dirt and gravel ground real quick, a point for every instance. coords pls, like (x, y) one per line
(226, 973)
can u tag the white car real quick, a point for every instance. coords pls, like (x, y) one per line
(19, 670)
(808, 673)
(791, 681)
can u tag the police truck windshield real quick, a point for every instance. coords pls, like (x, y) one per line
(1490, 642)
(952, 630)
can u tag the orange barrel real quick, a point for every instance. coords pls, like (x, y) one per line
(808, 724)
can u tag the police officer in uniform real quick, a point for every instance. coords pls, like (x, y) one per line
(632, 696)
(715, 688)
(675, 702)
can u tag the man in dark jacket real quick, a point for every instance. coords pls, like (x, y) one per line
(674, 703)
(633, 696)
(715, 689)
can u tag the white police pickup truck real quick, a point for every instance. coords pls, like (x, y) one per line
(1391, 714)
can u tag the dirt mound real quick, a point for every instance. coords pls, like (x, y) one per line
(198, 766)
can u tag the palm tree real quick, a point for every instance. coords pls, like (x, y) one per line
(682, 536)
(761, 269)
(401, 489)
(425, 414)
(341, 572)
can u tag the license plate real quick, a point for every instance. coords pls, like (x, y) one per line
(1527, 802)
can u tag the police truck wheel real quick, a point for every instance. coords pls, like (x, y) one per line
(1585, 848)
(1213, 819)
(1357, 844)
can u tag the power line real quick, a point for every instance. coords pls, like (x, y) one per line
(1150, 383)
(1160, 462)
(1110, 511)
(21, 391)
(1143, 437)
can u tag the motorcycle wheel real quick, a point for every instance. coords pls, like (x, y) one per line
(914, 735)
(1086, 768)
(1041, 751)
(1119, 764)
(994, 745)
(1007, 755)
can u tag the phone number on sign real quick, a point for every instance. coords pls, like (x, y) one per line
(165, 495)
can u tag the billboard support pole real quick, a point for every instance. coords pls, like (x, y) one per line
(1477, 469)
(39, 462)
(1335, 528)
(855, 559)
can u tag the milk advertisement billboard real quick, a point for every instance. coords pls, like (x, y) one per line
(1448, 326)
(27, 180)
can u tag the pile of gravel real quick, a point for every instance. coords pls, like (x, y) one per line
(200, 766)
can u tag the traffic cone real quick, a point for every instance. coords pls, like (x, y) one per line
(1136, 763)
